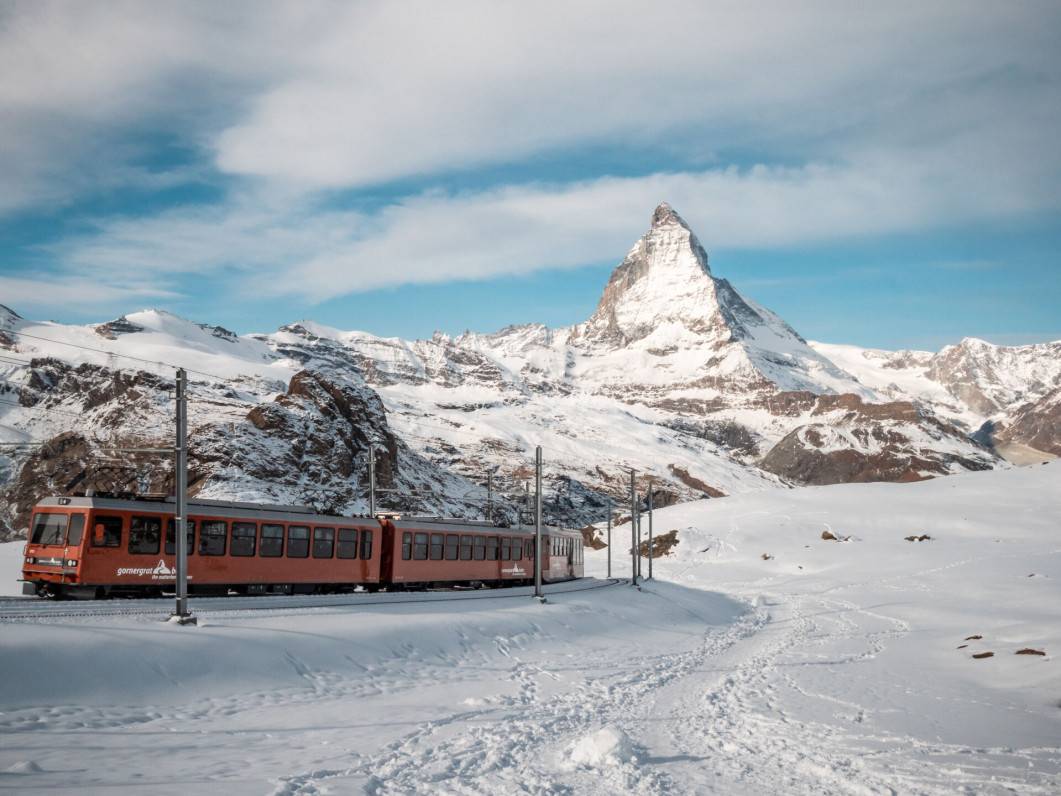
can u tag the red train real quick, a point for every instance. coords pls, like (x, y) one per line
(95, 547)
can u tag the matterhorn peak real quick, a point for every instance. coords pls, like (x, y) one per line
(664, 280)
(665, 215)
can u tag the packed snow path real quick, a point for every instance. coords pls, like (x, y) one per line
(764, 659)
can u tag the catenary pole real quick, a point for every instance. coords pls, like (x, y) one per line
(609, 537)
(633, 531)
(650, 529)
(181, 614)
(637, 515)
(538, 522)
(372, 480)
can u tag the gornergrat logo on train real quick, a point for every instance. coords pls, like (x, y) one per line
(158, 572)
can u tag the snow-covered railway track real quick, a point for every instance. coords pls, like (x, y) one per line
(18, 609)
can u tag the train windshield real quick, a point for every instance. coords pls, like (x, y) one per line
(49, 528)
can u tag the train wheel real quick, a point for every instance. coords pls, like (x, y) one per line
(52, 592)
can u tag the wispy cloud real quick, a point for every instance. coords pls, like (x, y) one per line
(44, 292)
(895, 119)
(291, 246)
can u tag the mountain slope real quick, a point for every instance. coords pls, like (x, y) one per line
(673, 372)
(266, 429)
(675, 375)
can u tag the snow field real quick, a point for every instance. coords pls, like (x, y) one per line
(863, 679)
(483, 698)
(825, 667)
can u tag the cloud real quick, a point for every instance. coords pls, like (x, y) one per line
(288, 245)
(45, 292)
(325, 95)
(866, 121)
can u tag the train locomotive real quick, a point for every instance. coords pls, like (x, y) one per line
(98, 547)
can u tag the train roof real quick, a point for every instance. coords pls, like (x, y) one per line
(456, 524)
(290, 514)
(217, 508)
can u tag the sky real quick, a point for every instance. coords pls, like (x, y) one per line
(887, 175)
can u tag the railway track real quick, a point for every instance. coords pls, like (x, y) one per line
(29, 609)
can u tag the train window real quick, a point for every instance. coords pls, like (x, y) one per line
(323, 542)
(272, 544)
(49, 528)
(420, 547)
(107, 532)
(437, 544)
(171, 536)
(297, 541)
(528, 549)
(407, 546)
(517, 550)
(491, 548)
(77, 530)
(347, 543)
(466, 548)
(366, 545)
(452, 546)
(506, 549)
(212, 535)
(244, 538)
(145, 535)
(479, 548)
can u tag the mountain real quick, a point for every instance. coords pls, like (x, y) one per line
(261, 428)
(1006, 395)
(663, 300)
(675, 375)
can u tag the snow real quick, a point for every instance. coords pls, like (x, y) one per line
(11, 567)
(608, 746)
(824, 668)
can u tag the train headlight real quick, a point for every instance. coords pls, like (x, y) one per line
(31, 560)
(70, 562)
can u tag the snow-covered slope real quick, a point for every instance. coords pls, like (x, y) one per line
(972, 383)
(762, 660)
(261, 427)
(675, 375)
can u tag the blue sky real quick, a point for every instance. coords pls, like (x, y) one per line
(889, 177)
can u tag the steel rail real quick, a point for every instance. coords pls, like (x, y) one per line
(30, 609)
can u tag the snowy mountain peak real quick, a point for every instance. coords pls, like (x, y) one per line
(664, 281)
(663, 300)
(665, 215)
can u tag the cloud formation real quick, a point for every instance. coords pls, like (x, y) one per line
(865, 121)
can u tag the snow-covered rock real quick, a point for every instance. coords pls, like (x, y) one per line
(608, 746)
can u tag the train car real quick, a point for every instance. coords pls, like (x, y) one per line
(432, 551)
(98, 547)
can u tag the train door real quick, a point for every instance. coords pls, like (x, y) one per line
(386, 551)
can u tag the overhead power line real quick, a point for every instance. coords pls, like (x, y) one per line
(120, 356)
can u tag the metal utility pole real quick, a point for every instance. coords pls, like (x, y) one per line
(538, 523)
(650, 529)
(609, 537)
(372, 480)
(490, 496)
(633, 531)
(181, 613)
(638, 516)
